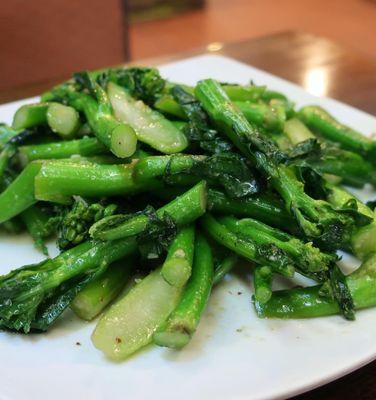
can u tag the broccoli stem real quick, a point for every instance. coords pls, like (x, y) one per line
(168, 105)
(261, 114)
(28, 294)
(95, 297)
(297, 132)
(63, 120)
(224, 267)
(352, 168)
(130, 322)
(177, 267)
(183, 322)
(150, 126)
(262, 207)
(363, 239)
(327, 126)
(19, 195)
(56, 150)
(246, 247)
(309, 302)
(36, 222)
(307, 259)
(30, 115)
(183, 210)
(252, 93)
(270, 118)
(119, 137)
(262, 281)
(315, 217)
(157, 166)
(59, 180)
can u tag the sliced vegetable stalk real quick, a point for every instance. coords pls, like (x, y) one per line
(150, 126)
(267, 254)
(262, 281)
(326, 125)
(225, 170)
(178, 265)
(270, 118)
(183, 210)
(34, 296)
(130, 322)
(56, 150)
(119, 137)
(96, 296)
(19, 195)
(350, 167)
(183, 322)
(309, 302)
(63, 120)
(316, 218)
(58, 180)
(263, 207)
(307, 259)
(363, 239)
(30, 115)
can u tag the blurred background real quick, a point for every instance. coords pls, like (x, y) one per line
(43, 40)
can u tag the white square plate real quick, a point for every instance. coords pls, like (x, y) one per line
(233, 355)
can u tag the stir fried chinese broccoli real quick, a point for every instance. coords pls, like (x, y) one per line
(136, 176)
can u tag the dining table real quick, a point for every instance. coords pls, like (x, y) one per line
(322, 67)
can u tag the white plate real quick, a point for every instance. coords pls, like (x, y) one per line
(234, 355)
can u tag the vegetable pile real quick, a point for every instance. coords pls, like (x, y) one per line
(140, 177)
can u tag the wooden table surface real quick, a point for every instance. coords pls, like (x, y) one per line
(321, 67)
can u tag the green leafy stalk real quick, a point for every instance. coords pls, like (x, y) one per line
(198, 130)
(262, 207)
(183, 322)
(19, 195)
(150, 126)
(183, 210)
(362, 241)
(328, 127)
(263, 115)
(30, 115)
(130, 323)
(32, 297)
(261, 253)
(316, 218)
(84, 147)
(59, 180)
(306, 258)
(351, 167)
(262, 281)
(119, 137)
(310, 302)
(97, 294)
(63, 120)
(177, 267)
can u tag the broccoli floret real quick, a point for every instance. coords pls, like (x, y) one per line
(74, 221)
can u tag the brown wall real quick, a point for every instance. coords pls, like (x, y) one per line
(47, 39)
